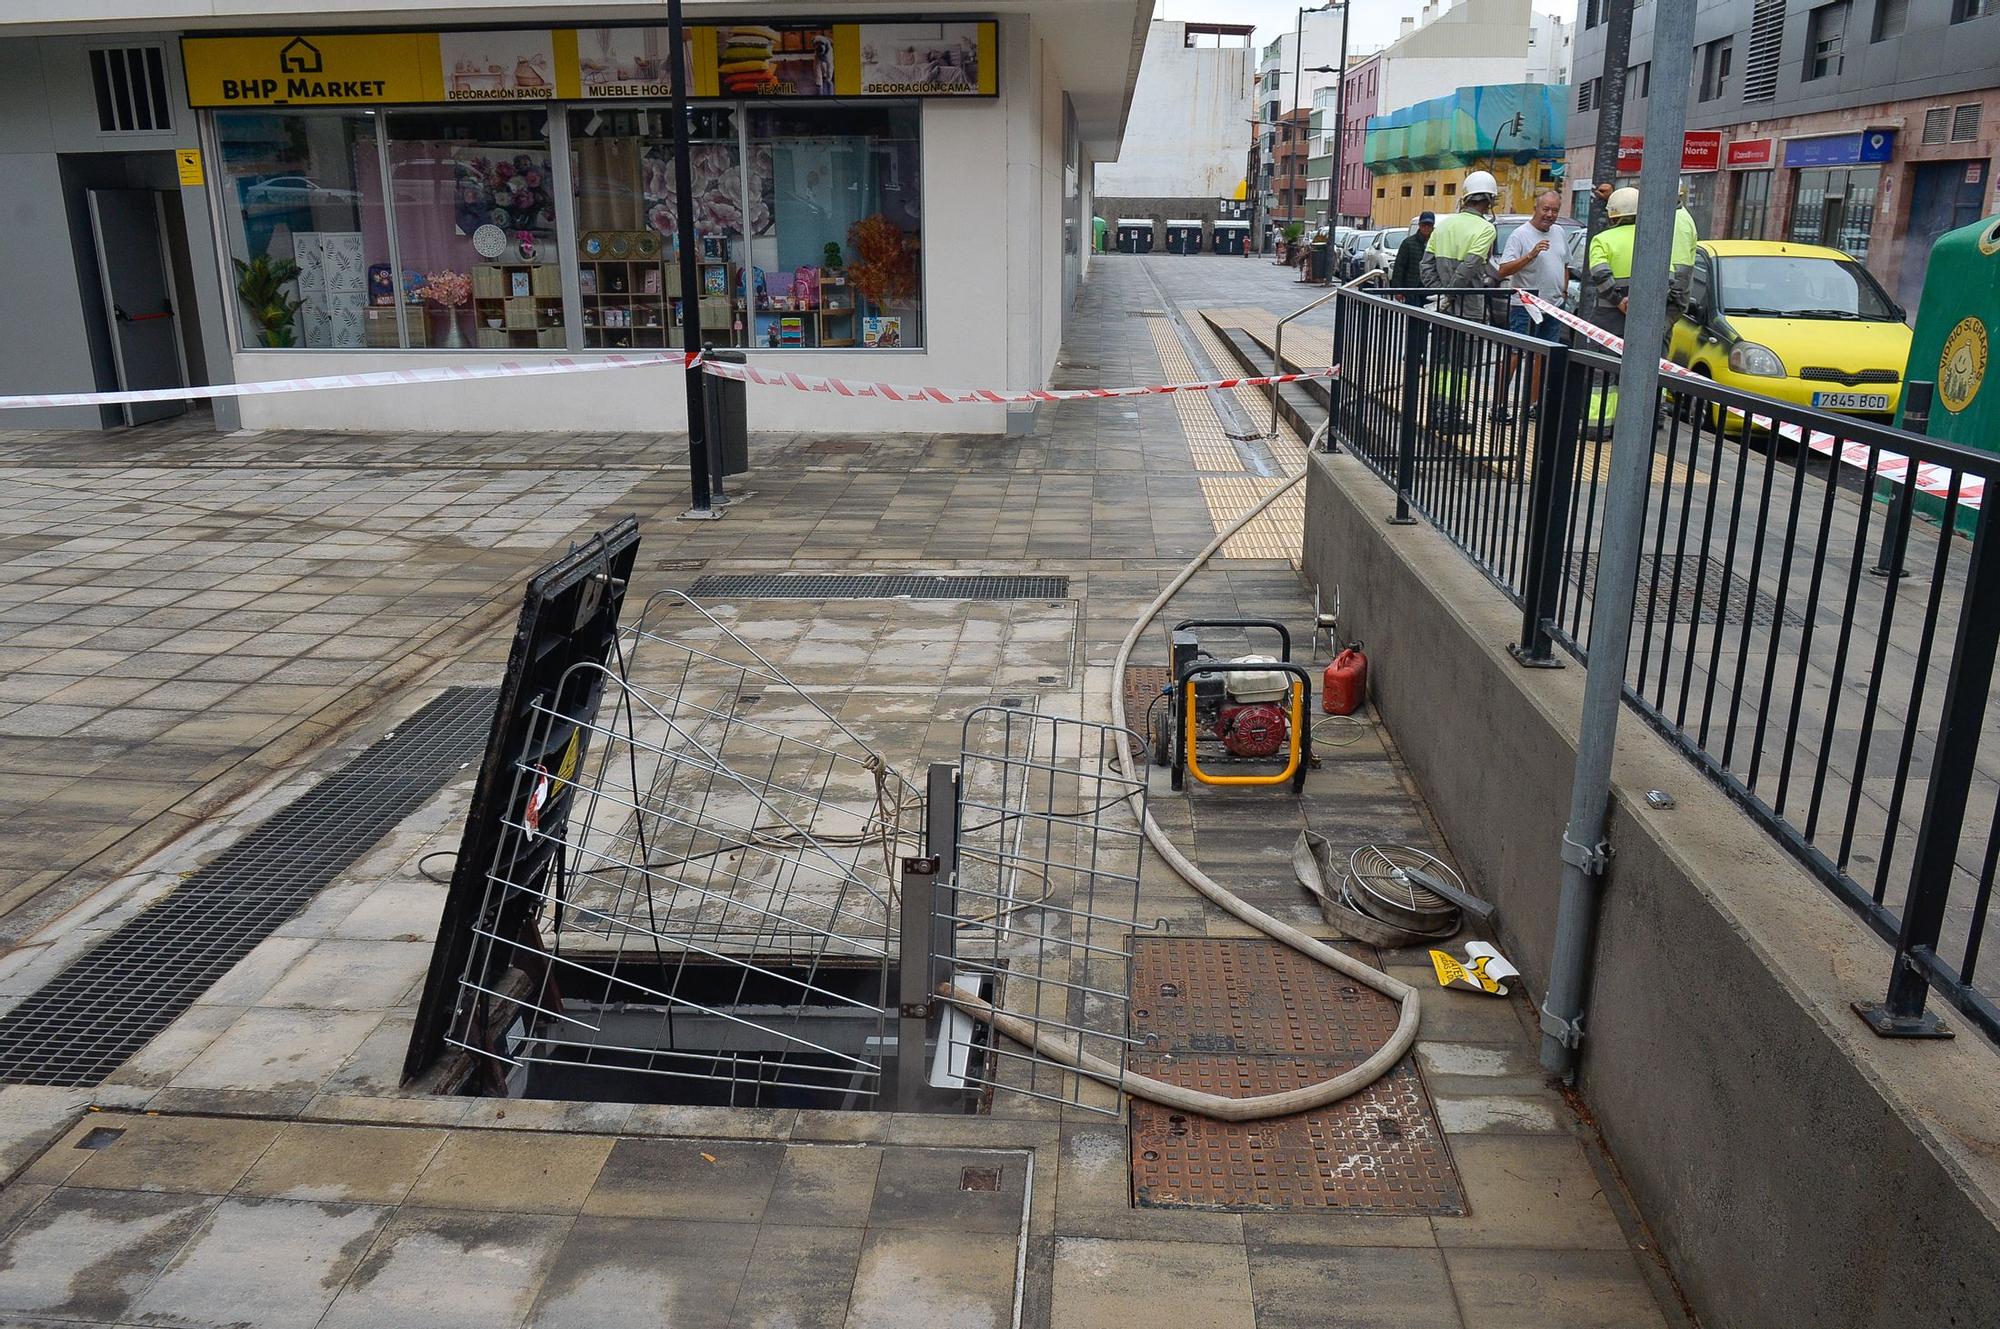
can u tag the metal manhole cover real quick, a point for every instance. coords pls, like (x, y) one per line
(1689, 588)
(1286, 1023)
(879, 586)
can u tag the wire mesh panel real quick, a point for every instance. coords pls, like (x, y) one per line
(1046, 899)
(719, 907)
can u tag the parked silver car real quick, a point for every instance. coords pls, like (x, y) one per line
(1380, 255)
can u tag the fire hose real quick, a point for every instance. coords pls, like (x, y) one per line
(1304, 1099)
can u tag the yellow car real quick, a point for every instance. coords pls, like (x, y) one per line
(1801, 323)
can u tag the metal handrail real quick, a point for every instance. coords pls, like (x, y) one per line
(1278, 337)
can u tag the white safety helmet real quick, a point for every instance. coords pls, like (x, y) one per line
(1623, 205)
(1684, 191)
(1478, 183)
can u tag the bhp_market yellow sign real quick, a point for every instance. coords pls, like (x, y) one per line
(345, 69)
(794, 58)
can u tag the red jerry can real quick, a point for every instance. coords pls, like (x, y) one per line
(1344, 686)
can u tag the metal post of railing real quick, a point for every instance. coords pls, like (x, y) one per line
(1278, 347)
(1901, 1013)
(1896, 523)
(1559, 418)
(1414, 333)
(1336, 393)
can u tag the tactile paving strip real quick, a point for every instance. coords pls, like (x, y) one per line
(1247, 1018)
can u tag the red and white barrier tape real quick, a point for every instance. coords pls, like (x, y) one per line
(743, 373)
(1894, 467)
(380, 378)
(899, 392)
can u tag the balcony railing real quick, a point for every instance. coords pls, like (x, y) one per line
(1800, 627)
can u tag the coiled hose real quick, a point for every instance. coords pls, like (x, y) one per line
(1304, 1099)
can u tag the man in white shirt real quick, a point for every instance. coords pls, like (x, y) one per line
(1533, 259)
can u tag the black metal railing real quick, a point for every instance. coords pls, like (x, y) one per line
(1798, 629)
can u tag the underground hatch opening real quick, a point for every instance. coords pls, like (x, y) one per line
(774, 1036)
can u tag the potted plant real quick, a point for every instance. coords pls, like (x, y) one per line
(830, 259)
(1293, 231)
(261, 285)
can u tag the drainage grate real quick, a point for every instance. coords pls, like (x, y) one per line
(889, 586)
(1247, 1018)
(1699, 596)
(111, 1000)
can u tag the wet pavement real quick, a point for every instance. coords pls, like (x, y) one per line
(260, 1161)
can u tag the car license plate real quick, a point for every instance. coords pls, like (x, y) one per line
(1852, 401)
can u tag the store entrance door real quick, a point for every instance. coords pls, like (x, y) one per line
(132, 266)
(1944, 196)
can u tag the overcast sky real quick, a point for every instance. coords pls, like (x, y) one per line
(1373, 23)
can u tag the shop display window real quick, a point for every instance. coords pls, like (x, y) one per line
(301, 197)
(628, 239)
(438, 228)
(839, 263)
(475, 229)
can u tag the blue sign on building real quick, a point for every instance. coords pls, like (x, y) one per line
(1870, 145)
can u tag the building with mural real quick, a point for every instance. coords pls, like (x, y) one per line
(1416, 156)
(1471, 43)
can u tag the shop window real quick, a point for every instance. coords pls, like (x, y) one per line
(1826, 31)
(475, 201)
(839, 263)
(1753, 201)
(628, 244)
(307, 233)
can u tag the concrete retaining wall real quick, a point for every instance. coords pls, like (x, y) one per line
(1796, 1169)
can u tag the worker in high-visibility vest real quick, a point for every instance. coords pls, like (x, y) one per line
(1686, 237)
(1611, 259)
(1460, 253)
(1459, 256)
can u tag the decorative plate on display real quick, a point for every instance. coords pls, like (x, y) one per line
(621, 244)
(490, 241)
(646, 245)
(593, 244)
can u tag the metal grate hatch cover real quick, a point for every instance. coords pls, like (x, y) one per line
(110, 1001)
(879, 586)
(1689, 588)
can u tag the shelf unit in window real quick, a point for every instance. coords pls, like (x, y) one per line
(629, 303)
(526, 321)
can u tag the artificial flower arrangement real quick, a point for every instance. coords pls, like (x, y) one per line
(510, 192)
(882, 260)
(445, 287)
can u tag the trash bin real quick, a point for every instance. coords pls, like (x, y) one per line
(1319, 258)
(726, 408)
(1232, 237)
(1184, 236)
(1135, 235)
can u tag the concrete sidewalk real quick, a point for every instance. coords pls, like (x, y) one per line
(260, 1162)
